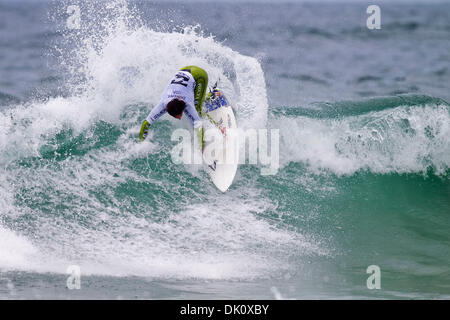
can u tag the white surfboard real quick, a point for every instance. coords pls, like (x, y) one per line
(223, 165)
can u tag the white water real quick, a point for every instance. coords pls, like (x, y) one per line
(399, 140)
(221, 238)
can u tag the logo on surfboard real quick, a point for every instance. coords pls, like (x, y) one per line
(213, 166)
(217, 100)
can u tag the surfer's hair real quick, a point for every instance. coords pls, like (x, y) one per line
(175, 107)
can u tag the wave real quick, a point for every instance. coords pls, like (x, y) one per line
(384, 135)
(352, 108)
(78, 188)
(118, 65)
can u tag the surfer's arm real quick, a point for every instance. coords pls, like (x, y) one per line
(154, 115)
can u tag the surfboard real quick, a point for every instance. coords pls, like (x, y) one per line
(223, 165)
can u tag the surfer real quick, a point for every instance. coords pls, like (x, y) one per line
(185, 93)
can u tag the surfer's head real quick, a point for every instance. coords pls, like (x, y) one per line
(175, 108)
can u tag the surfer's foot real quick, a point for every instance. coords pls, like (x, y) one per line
(213, 92)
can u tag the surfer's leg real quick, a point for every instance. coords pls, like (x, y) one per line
(201, 82)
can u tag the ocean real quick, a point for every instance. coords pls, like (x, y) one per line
(359, 207)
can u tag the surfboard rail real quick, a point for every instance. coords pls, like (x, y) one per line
(223, 166)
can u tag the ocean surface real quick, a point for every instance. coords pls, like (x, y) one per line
(363, 176)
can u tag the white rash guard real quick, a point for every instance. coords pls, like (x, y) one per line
(181, 87)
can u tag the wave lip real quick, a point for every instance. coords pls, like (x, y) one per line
(359, 107)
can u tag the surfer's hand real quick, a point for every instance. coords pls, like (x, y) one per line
(144, 130)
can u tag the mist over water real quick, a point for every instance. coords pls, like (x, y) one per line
(364, 152)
